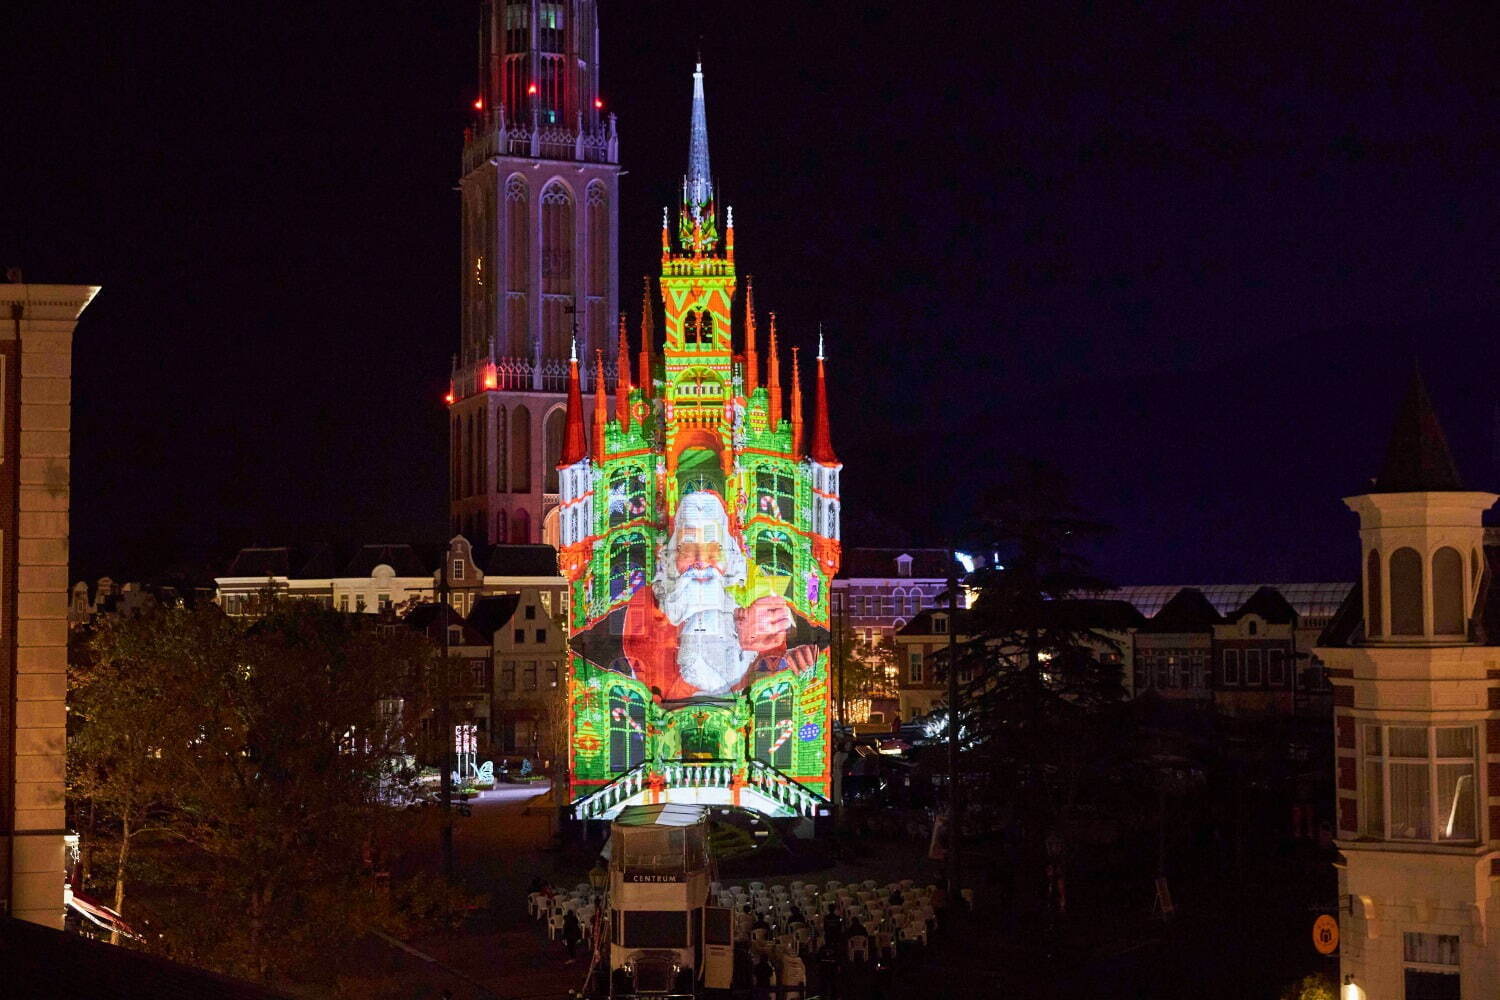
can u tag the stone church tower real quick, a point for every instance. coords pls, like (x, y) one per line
(540, 197)
(1414, 656)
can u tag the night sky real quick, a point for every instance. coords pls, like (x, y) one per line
(1188, 256)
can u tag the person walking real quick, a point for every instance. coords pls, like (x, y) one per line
(572, 933)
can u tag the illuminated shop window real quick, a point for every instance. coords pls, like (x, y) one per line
(775, 493)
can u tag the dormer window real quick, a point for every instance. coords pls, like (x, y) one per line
(455, 635)
(903, 565)
(458, 569)
(1251, 626)
(940, 624)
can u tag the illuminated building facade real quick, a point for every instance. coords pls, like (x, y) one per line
(1416, 680)
(36, 358)
(700, 534)
(539, 196)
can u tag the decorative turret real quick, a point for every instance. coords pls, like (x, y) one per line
(822, 443)
(752, 359)
(601, 406)
(1422, 534)
(796, 404)
(574, 447)
(622, 384)
(697, 227)
(773, 378)
(648, 331)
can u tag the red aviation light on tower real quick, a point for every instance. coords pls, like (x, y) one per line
(448, 396)
(531, 88)
(598, 104)
(478, 104)
(491, 378)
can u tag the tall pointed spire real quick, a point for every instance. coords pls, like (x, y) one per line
(622, 378)
(822, 442)
(773, 378)
(1417, 459)
(574, 447)
(601, 406)
(752, 359)
(648, 331)
(697, 185)
(796, 405)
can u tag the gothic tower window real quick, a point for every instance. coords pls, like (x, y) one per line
(520, 531)
(627, 729)
(553, 434)
(1374, 620)
(773, 726)
(518, 267)
(1447, 592)
(520, 450)
(627, 564)
(1406, 592)
(557, 267)
(773, 553)
(502, 459)
(775, 493)
(597, 220)
(627, 494)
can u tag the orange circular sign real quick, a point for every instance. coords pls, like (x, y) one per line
(1326, 935)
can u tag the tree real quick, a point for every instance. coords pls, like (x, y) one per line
(1041, 708)
(280, 758)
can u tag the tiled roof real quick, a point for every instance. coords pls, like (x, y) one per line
(261, 563)
(38, 961)
(491, 614)
(1417, 459)
(401, 558)
(517, 560)
(1188, 611)
(1269, 604)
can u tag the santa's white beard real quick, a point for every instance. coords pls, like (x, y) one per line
(690, 595)
(708, 652)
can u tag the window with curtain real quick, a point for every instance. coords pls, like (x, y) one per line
(1420, 783)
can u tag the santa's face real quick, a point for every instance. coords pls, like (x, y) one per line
(700, 549)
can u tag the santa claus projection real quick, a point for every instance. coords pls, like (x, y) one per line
(686, 635)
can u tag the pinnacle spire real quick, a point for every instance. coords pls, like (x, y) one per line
(1417, 460)
(796, 404)
(773, 378)
(574, 447)
(622, 379)
(752, 358)
(647, 332)
(698, 208)
(822, 442)
(601, 405)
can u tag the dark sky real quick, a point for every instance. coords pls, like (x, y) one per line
(1188, 252)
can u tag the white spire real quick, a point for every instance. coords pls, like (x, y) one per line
(574, 356)
(820, 341)
(700, 189)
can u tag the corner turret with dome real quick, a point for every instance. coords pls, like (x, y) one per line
(699, 539)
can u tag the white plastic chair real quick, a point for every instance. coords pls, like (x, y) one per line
(859, 944)
(555, 923)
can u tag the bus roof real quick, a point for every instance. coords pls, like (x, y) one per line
(664, 814)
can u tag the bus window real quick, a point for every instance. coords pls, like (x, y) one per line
(655, 929)
(718, 925)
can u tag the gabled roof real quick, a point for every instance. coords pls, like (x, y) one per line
(430, 617)
(326, 562)
(1417, 460)
(928, 564)
(1188, 611)
(261, 562)
(491, 614)
(1093, 613)
(401, 558)
(1267, 603)
(921, 623)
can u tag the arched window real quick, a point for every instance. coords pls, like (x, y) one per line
(469, 457)
(627, 729)
(552, 431)
(520, 532)
(627, 564)
(502, 453)
(598, 223)
(502, 527)
(773, 726)
(482, 454)
(1406, 592)
(455, 457)
(517, 267)
(775, 493)
(520, 450)
(773, 553)
(1448, 592)
(627, 494)
(557, 268)
(1374, 620)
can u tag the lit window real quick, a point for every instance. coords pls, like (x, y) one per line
(458, 569)
(914, 667)
(1419, 783)
(940, 624)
